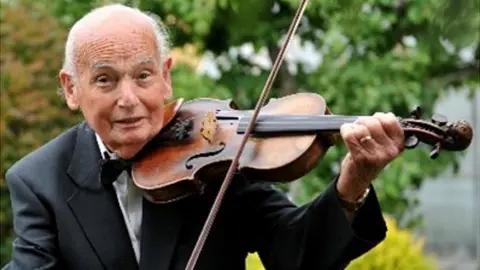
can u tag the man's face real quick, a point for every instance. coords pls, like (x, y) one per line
(121, 85)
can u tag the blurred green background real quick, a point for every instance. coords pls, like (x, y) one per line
(361, 56)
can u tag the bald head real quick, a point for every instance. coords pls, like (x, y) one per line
(111, 22)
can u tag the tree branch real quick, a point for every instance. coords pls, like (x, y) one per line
(456, 75)
(285, 79)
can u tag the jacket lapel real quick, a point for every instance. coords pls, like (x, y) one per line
(96, 207)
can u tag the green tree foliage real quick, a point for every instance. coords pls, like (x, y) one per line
(372, 55)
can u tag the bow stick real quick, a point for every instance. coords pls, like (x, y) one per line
(234, 165)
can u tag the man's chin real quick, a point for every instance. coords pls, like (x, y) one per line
(128, 152)
(129, 148)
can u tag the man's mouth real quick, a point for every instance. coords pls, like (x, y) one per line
(129, 122)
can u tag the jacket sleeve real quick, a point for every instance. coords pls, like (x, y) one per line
(316, 235)
(34, 246)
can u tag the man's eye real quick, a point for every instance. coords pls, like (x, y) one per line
(144, 75)
(102, 79)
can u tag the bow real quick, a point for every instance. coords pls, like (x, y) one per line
(234, 165)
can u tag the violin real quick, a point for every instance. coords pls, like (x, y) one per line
(278, 142)
(291, 134)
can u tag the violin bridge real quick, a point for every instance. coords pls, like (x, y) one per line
(209, 126)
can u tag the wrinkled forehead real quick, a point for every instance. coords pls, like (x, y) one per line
(115, 46)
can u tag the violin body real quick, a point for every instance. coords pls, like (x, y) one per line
(201, 138)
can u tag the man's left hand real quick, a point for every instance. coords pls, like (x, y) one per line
(372, 142)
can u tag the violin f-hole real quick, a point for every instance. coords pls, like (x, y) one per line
(221, 147)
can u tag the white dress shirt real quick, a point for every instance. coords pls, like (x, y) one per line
(130, 200)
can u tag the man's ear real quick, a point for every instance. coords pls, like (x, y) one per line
(167, 65)
(69, 90)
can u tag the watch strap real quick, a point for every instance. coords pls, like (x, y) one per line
(353, 206)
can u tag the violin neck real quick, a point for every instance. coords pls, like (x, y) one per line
(291, 124)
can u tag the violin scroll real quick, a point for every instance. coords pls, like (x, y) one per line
(438, 132)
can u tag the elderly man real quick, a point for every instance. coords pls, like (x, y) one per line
(117, 72)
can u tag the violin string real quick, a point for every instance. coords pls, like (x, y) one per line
(234, 165)
(295, 123)
(283, 127)
(294, 119)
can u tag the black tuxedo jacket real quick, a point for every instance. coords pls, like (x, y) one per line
(65, 219)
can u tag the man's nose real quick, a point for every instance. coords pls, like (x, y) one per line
(128, 97)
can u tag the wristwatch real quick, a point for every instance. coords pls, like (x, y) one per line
(355, 205)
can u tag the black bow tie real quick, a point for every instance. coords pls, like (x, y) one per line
(111, 168)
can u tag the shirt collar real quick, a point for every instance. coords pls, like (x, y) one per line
(105, 152)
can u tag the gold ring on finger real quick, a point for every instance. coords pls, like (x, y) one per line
(366, 138)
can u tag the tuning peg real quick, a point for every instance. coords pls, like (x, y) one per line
(416, 112)
(436, 151)
(439, 119)
(411, 142)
